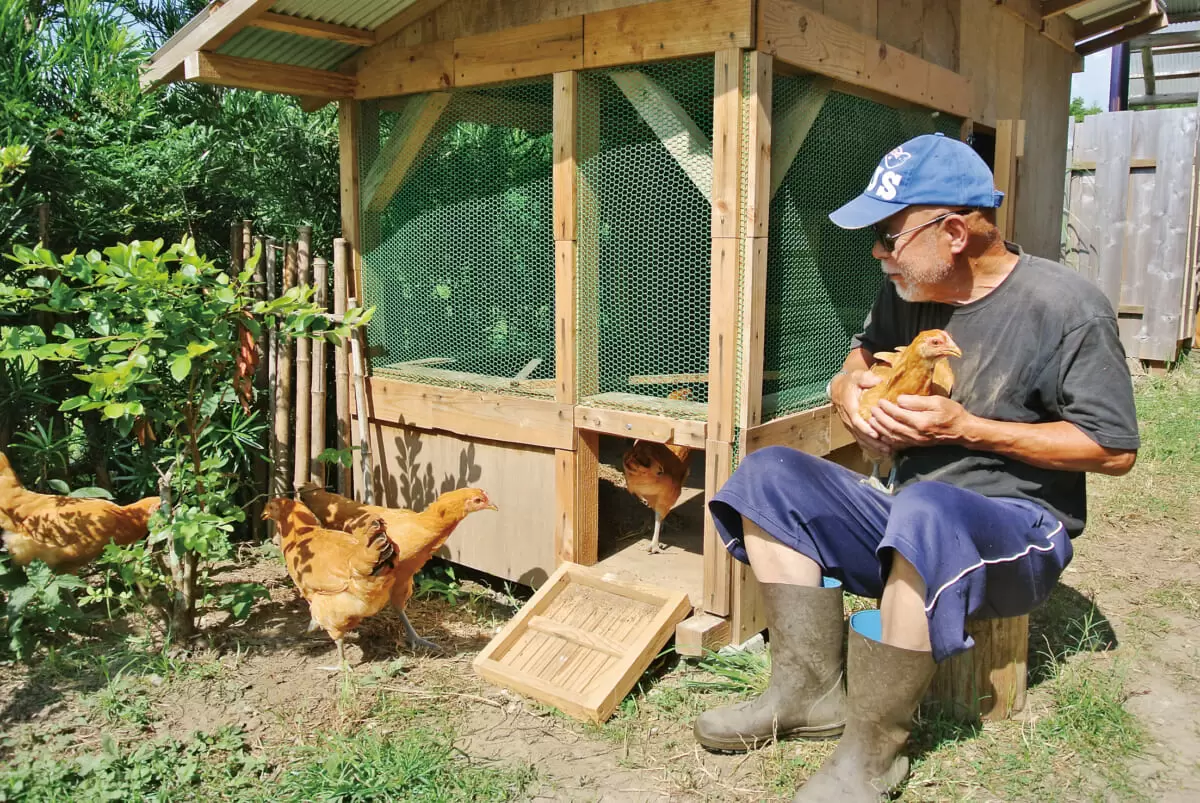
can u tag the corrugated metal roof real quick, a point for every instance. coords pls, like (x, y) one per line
(1165, 64)
(286, 48)
(1181, 6)
(369, 14)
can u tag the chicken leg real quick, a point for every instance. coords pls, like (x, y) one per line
(343, 664)
(655, 547)
(415, 642)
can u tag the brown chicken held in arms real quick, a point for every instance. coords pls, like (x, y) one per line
(63, 531)
(344, 576)
(922, 368)
(416, 535)
(654, 473)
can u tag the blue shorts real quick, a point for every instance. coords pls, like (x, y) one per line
(979, 556)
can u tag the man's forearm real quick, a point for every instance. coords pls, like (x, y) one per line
(1058, 445)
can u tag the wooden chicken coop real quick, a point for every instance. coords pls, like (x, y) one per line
(566, 212)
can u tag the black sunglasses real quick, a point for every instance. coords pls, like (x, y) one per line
(888, 241)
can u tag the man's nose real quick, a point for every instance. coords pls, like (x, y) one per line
(878, 252)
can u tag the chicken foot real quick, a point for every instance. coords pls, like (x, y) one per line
(655, 547)
(876, 479)
(415, 642)
(343, 664)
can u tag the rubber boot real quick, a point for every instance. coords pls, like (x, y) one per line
(885, 686)
(805, 697)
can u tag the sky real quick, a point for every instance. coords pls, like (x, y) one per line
(1092, 83)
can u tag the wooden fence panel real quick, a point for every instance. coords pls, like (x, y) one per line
(1131, 222)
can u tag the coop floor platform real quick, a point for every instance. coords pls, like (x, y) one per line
(626, 526)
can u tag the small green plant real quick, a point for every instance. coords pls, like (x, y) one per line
(739, 672)
(39, 602)
(439, 581)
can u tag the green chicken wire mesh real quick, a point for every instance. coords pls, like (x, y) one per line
(460, 260)
(644, 236)
(822, 280)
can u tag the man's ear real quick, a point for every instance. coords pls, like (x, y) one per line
(959, 232)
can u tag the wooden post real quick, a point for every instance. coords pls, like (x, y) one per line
(367, 491)
(269, 251)
(988, 680)
(316, 469)
(261, 463)
(283, 388)
(303, 365)
(577, 479)
(723, 316)
(235, 247)
(341, 268)
(351, 127)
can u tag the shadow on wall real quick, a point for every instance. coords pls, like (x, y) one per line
(407, 482)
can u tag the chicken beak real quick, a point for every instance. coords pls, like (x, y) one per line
(955, 351)
(491, 506)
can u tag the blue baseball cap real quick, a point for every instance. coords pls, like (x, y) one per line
(929, 170)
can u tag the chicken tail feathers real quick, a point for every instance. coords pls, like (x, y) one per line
(379, 541)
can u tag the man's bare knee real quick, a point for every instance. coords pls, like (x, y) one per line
(772, 561)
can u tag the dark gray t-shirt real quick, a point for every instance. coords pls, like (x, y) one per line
(1043, 346)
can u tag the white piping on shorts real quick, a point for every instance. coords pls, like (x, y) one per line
(1048, 548)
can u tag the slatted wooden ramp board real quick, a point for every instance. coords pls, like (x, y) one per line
(581, 643)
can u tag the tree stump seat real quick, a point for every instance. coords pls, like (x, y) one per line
(988, 680)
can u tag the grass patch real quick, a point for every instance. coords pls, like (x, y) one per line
(1177, 595)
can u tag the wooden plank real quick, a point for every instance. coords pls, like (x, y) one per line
(940, 25)
(1120, 35)
(679, 134)
(266, 76)
(978, 42)
(665, 30)
(399, 154)
(753, 331)
(627, 424)
(1112, 188)
(1148, 162)
(1166, 273)
(396, 68)
(509, 419)
(1005, 159)
(615, 683)
(577, 534)
(1060, 30)
(412, 467)
(214, 28)
(315, 29)
(724, 173)
(593, 641)
(566, 92)
(1052, 8)
(724, 311)
(411, 13)
(718, 564)
(699, 635)
(817, 432)
(497, 649)
(791, 129)
(760, 144)
(803, 38)
(1115, 20)
(749, 615)
(587, 248)
(524, 52)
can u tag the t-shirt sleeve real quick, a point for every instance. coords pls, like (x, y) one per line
(1095, 391)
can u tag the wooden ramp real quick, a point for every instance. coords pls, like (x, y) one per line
(581, 643)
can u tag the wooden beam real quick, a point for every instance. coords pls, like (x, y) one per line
(1148, 69)
(718, 563)
(516, 53)
(493, 416)
(818, 432)
(679, 134)
(1169, 39)
(397, 156)
(698, 635)
(1059, 29)
(405, 17)
(1052, 8)
(213, 31)
(577, 492)
(760, 162)
(760, 171)
(625, 424)
(314, 29)
(1122, 35)
(394, 68)
(664, 30)
(791, 129)
(349, 130)
(798, 36)
(565, 194)
(1164, 99)
(1115, 20)
(265, 76)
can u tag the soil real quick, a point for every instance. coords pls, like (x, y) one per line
(265, 675)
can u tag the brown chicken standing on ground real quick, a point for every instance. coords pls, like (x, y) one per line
(654, 473)
(63, 531)
(921, 368)
(416, 535)
(344, 576)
